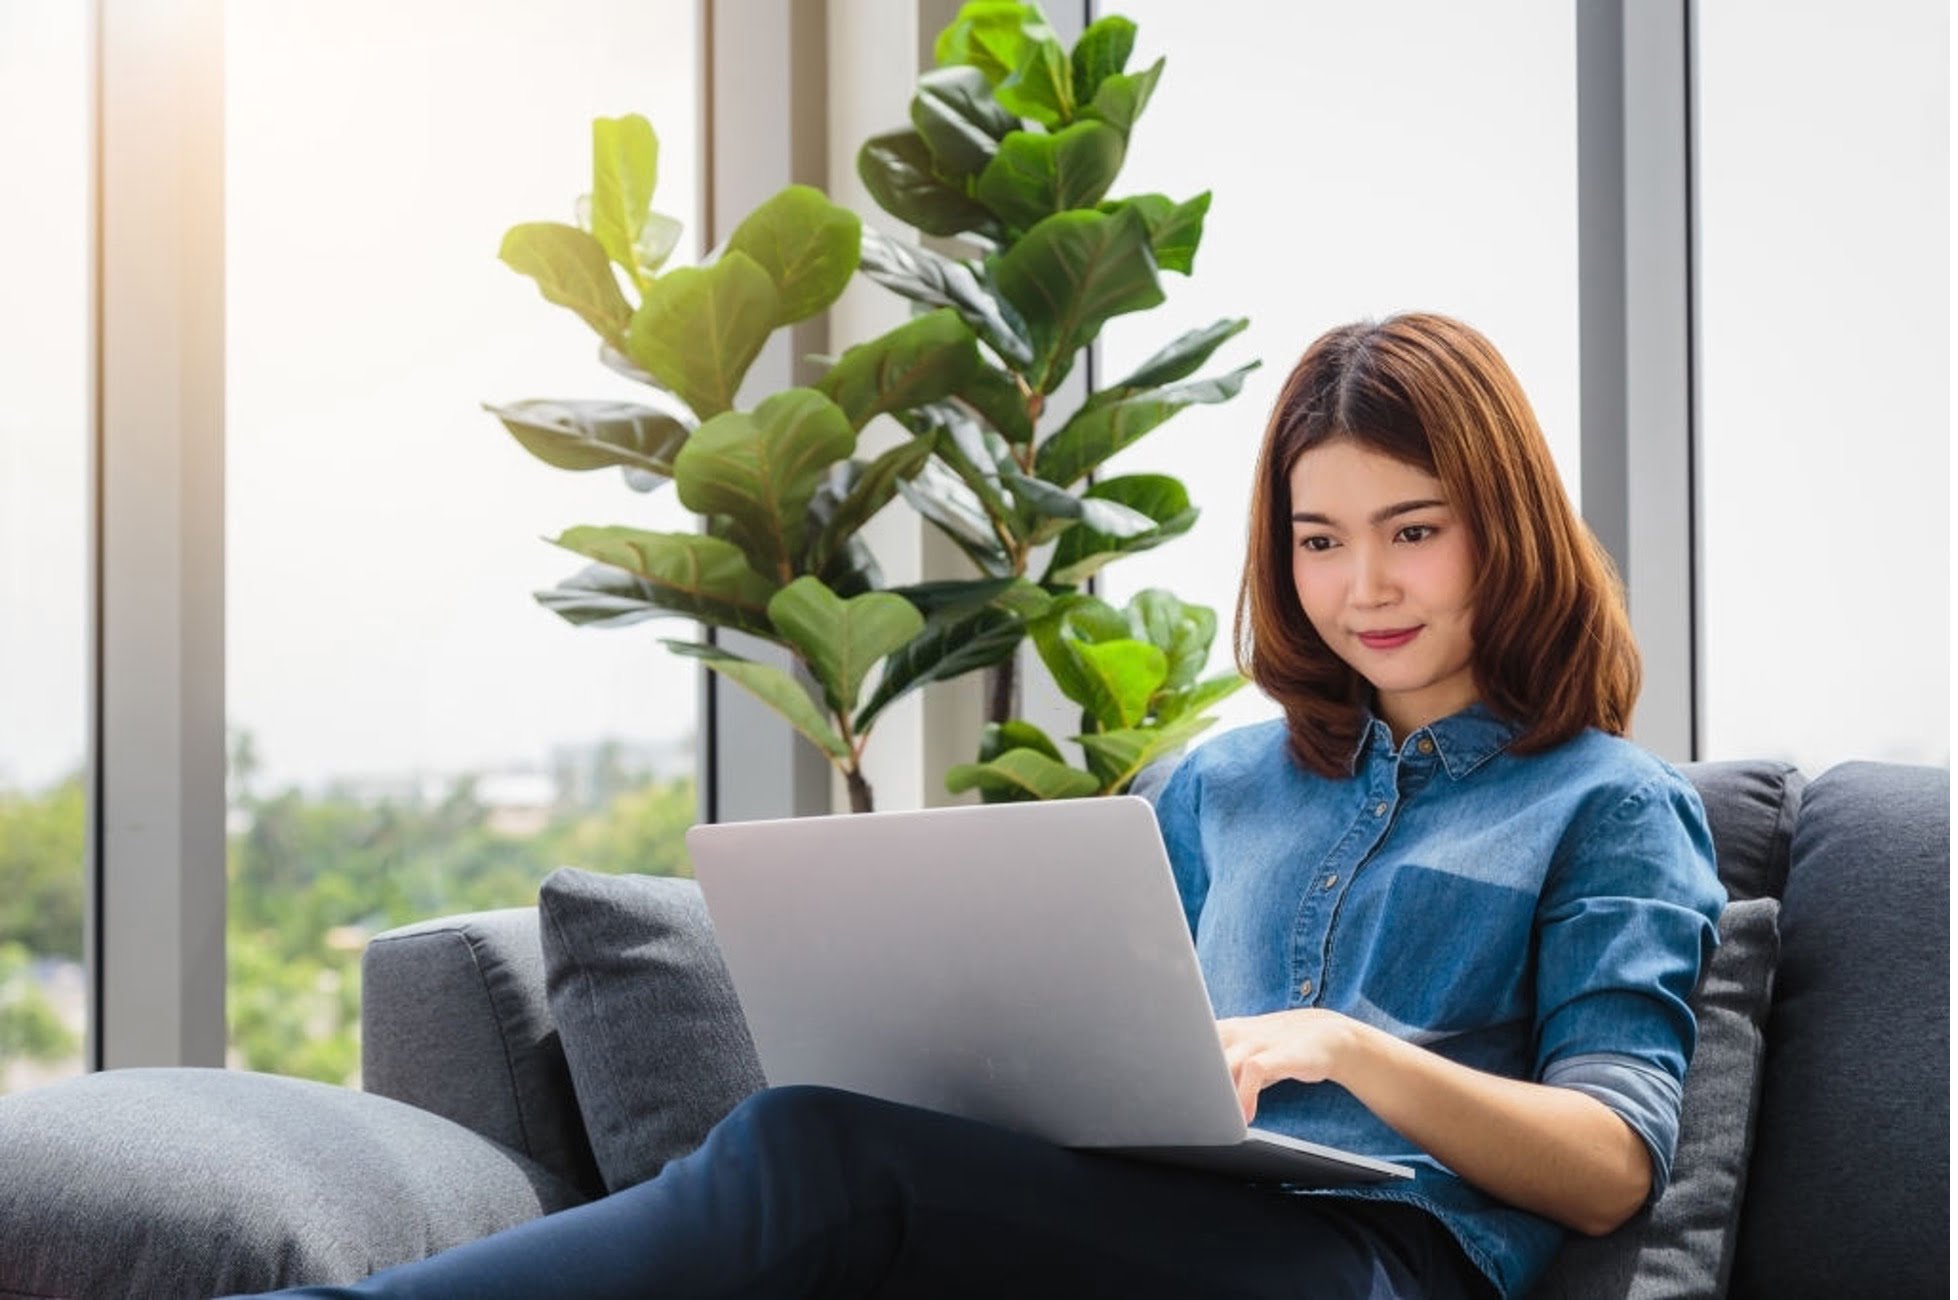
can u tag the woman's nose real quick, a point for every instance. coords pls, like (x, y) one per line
(1373, 579)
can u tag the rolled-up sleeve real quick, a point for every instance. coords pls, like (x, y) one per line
(1177, 804)
(1624, 926)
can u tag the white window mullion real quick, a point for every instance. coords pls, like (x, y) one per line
(157, 944)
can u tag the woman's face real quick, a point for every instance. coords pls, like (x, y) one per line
(1384, 571)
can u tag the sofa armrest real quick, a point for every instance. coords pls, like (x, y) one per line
(454, 1020)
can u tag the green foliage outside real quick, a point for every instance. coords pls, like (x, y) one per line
(311, 879)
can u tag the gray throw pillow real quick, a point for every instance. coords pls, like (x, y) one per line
(1683, 1245)
(652, 1030)
(166, 1183)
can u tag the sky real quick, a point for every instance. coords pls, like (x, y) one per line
(384, 534)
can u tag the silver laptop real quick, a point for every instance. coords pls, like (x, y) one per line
(1024, 964)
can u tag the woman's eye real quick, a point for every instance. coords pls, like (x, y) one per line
(1316, 543)
(1417, 532)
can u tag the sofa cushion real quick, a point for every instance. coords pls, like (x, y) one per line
(453, 1019)
(1683, 1245)
(167, 1183)
(1848, 1193)
(1750, 808)
(658, 1048)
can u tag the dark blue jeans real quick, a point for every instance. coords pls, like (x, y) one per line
(814, 1192)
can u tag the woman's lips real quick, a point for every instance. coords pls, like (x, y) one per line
(1388, 640)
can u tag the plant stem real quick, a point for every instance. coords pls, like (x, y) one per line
(860, 796)
(1004, 689)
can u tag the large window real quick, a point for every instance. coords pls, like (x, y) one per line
(1825, 445)
(1364, 159)
(44, 423)
(411, 733)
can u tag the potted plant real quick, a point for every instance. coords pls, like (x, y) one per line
(1015, 145)
(1014, 148)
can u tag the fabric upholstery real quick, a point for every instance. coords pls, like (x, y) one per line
(1684, 1244)
(1849, 1188)
(658, 1048)
(165, 1183)
(1751, 808)
(454, 1020)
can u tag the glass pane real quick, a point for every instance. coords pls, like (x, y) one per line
(1825, 345)
(412, 733)
(44, 571)
(1355, 173)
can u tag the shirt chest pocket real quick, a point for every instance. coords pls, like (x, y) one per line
(1435, 951)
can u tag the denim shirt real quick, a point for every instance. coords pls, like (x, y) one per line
(1541, 917)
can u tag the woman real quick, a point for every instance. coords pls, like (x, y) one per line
(1448, 917)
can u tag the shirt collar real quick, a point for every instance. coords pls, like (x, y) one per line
(1464, 740)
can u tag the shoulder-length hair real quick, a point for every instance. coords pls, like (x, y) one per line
(1552, 647)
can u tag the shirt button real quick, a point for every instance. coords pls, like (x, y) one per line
(1329, 881)
(1426, 746)
(1305, 989)
(1380, 809)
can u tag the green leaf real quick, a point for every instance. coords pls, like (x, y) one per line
(760, 469)
(961, 443)
(1015, 733)
(1199, 697)
(657, 239)
(947, 503)
(1083, 551)
(960, 596)
(600, 595)
(1120, 99)
(584, 435)
(1102, 51)
(1175, 229)
(808, 246)
(1042, 84)
(773, 687)
(571, 270)
(920, 361)
(1021, 774)
(842, 639)
(1093, 619)
(1050, 511)
(1116, 756)
(930, 277)
(996, 395)
(954, 110)
(968, 625)
(1181, 631)
(989, 35)
(1121, 677)
(700, 328)
(625, 169)
(682, 573)
(1069, 275)
(871, 490)
(1099, 431)
(1179, 360)
(897, 170)
(1034, 176)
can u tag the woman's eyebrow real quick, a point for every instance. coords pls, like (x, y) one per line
(1380, 516)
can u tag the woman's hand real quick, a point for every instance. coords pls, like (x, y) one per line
(1307, 1044)
(1556, 1151)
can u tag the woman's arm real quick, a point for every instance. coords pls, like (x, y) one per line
(1554, 1151)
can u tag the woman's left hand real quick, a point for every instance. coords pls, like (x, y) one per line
(1306, 1044)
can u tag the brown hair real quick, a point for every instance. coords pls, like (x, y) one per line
(1553, 649)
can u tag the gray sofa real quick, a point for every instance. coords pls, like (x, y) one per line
(1813, 1158)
